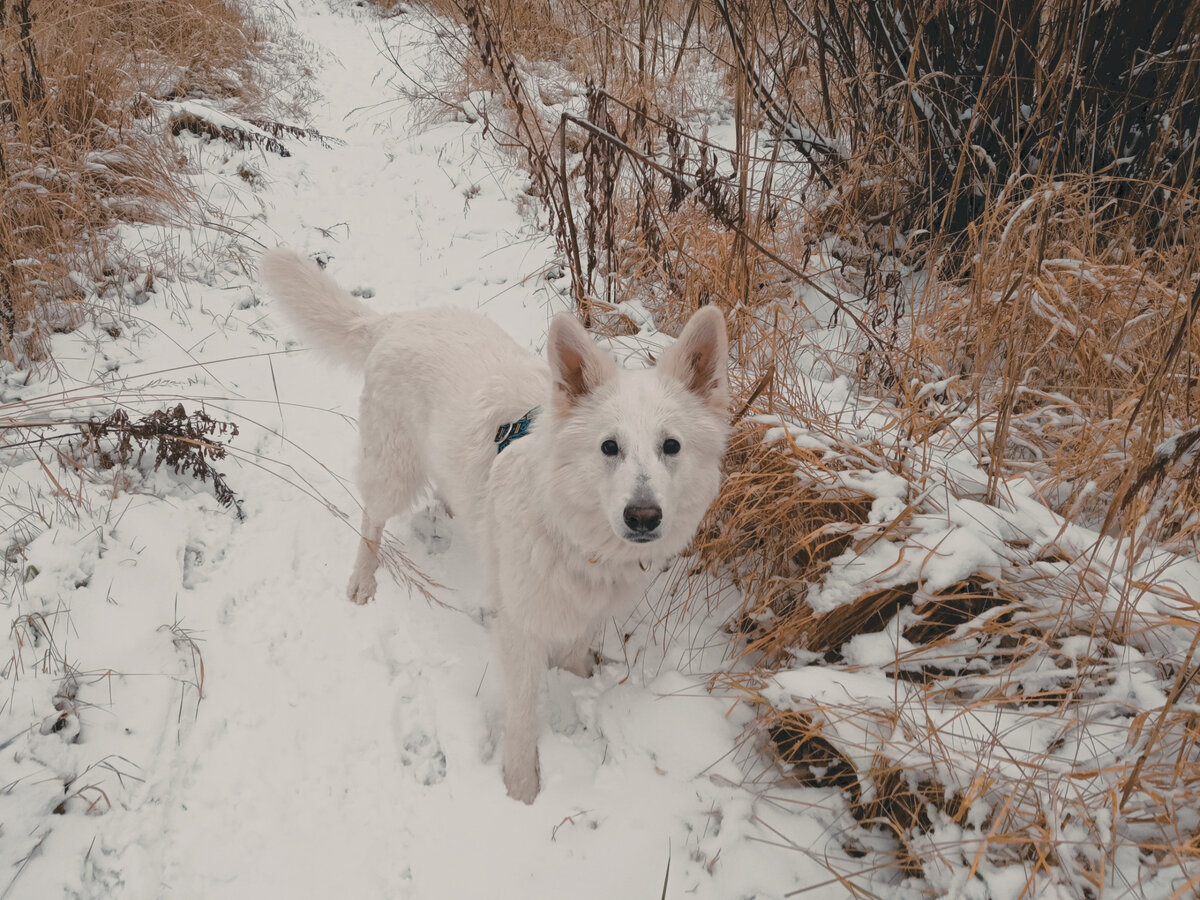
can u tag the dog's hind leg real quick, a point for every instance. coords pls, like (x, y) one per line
(362, 579)
(390, 478)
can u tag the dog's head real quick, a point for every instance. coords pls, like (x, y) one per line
(637, 453)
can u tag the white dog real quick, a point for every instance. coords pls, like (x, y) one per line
(573, 478)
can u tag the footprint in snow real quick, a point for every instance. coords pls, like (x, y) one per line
(417, 743)
(431, 526)
(423, 753)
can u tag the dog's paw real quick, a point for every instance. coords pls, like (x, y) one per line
(581, 664)
(361, 588)
(431, 526)
(522, 785)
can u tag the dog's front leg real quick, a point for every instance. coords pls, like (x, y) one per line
(524, 662)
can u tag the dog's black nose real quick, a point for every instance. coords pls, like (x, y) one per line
(642, 518)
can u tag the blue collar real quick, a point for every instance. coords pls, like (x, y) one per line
(510, 431)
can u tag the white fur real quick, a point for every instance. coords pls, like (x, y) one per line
(548, 513)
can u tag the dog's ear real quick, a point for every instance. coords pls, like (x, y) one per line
(578, 365)
(699, 358)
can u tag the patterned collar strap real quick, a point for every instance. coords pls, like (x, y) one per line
(510, 431)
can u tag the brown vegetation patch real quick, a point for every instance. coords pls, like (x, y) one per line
(77, 152)
(777, 522)
(945, 612)
(808, 759)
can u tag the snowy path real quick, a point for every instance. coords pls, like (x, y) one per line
(345, 751)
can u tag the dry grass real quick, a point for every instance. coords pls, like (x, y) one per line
(1082, 344)
(1014, 303)
(787, 515)
(79, 150)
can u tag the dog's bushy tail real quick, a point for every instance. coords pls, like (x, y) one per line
(326, 314)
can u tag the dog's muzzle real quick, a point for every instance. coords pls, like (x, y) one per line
(642, 519)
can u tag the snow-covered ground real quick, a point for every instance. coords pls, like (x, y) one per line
(191, 706)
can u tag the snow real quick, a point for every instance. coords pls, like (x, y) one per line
(191, 708)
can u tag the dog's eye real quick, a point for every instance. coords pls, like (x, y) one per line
(610, 448)
(670, 446)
